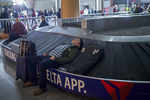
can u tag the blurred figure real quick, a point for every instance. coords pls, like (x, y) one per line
(138, 9)
(133, 6)
(40, 13)
(128, 9)
(50, 13)
(45, 13)
(145, 6)
(53, 12)
(115, 8)
(6, 24)
(33, 15)
(17, 31)
(110, 10)
(59, 13)
(43, 23)
(86, 11)
(148, 8)
(82, 11)
(15, 14)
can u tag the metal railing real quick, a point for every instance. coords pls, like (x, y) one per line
(30, 23)
(100, 15)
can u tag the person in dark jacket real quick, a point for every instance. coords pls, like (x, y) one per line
(59, 13)
(6, 24)
(138, 9)
(45, 12)
(43, 23)
(61, 55)
(17, 31)
(33, 15)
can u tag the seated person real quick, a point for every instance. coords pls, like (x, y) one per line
(138, 9)
(61, 55)
(17, 31)
(43, 23)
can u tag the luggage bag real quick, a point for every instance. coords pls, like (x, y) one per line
(26, 66)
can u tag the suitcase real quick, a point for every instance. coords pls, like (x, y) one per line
(21, 68)
(26, 66)
(26, 69)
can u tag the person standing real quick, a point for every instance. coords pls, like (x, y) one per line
(33, 16)
(59, 13)
(45, 13)
(6, 24)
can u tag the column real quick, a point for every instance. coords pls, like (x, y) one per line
(59, 4)
(99, 5)
(56, 5)
(70, 8)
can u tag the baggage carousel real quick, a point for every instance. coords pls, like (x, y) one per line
(120, 72)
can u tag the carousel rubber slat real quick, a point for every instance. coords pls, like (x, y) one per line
(44, 41)
(144, 58)
(121, 62)
(146, 49)
(54, 43)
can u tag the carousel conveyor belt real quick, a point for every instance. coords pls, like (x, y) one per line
(44, 41)
(124, 62)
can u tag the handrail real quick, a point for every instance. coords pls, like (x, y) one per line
(7, 19)
(79, 19)
(29, 22)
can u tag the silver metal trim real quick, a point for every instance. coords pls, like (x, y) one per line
(140, 82)
(104, 38)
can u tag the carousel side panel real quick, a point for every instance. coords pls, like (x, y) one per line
(99, 88)
(92, 87)
(8, 53)
(140, 91)
(78, 84)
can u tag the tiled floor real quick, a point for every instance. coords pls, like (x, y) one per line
(10, 89)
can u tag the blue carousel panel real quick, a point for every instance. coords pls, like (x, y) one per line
(99, 88)
(8, 53)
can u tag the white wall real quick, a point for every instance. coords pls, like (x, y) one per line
(47, 4)
(29, 3)
(44, 4)
(93, 4)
